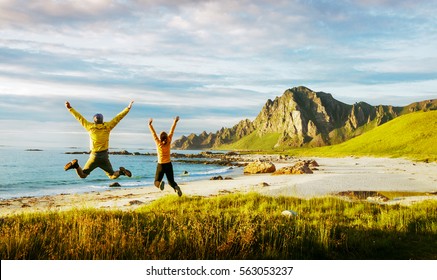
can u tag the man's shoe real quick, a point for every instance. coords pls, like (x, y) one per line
(72, 164)
(125, 172)
(159, 185)
(178, 190)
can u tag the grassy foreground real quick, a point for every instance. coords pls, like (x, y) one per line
(234, 226)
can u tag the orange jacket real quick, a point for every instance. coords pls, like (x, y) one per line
(163, 150)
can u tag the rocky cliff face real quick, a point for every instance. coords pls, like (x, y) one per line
(208, 140)
(303, 117)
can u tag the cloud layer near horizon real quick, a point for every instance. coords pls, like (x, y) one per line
(211, 62)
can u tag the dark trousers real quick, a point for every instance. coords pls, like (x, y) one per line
(167, 169)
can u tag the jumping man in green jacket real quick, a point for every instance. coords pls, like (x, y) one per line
(99, 143)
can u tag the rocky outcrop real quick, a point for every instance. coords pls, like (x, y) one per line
(115, 184)
(221, 137)
(257, 167)
(300, 116)
(304, 118)
(301, 167)
(219, 177)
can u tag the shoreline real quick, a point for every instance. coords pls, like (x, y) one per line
(334, 175)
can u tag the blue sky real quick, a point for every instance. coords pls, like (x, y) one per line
(213, 63)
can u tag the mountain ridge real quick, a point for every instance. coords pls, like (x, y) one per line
(303, 118)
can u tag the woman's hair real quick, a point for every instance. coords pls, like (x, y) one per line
(163, 137)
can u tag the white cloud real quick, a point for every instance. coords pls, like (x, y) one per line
(396, 94)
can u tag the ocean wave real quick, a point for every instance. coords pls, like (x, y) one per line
(210, 172)
(122, 184)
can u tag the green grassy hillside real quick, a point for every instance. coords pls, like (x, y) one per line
(412, 135)
(254, 142)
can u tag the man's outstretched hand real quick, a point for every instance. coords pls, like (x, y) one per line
(130, 104)
(67, 105)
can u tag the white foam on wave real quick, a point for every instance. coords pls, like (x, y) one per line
(211, 172)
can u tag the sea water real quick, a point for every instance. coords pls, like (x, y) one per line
(26, 173)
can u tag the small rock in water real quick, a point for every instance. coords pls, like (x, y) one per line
(115, 184)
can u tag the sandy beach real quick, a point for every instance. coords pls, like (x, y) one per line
(332, 176)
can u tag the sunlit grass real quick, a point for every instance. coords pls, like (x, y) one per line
(235, 226)
(411, 136)
(254, 142)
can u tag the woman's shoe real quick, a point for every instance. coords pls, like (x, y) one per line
(178, 190)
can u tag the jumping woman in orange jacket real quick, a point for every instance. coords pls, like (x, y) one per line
(164, 166)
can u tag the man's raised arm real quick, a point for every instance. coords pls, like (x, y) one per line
(77, 115)
(120, 116)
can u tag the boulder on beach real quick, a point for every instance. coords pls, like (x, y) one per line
(219, 177)
(301, 167)
(257, 167)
